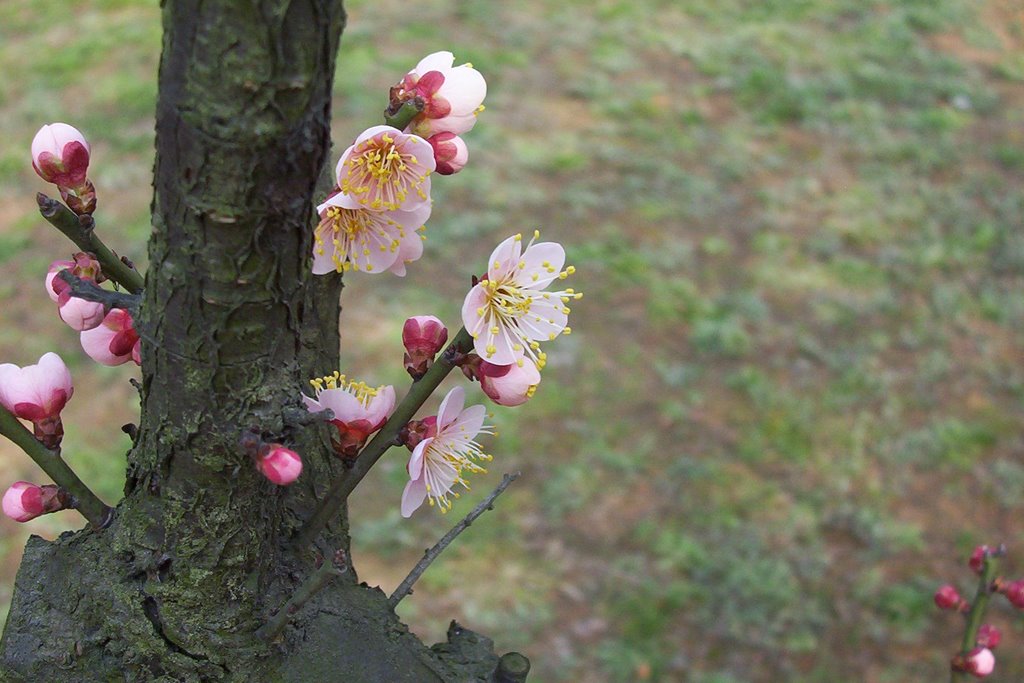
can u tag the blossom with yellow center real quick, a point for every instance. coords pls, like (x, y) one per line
(359, 409)
(385, 170)
(437, 463)
(364, 240)
(508, 312)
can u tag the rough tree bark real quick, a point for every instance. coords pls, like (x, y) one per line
(198, 553)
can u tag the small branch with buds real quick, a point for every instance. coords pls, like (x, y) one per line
(432, 553)
(80, 230)
(90, 291)
(321, 578)
(960, 669)
(83, 499)
(385, 438)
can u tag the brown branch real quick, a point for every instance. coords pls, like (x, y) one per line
(84, 500)
(432, 553)
(90, 291)
(80, 231)
(322, 577)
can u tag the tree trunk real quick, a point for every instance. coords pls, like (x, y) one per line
(233, 326)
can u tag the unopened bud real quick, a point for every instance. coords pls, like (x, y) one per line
(980, 662)
(989, 636)
(280, 465)
(947, 597)
(1014, 592)
(423, 336)
(977, 561)
(24, 501)
(60, 155)
(79, 314)
(450, 152)
(417, 430)
(509, 385)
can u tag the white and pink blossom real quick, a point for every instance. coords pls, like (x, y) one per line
(508, 312)
(385, 170)
(452, 95)
(981, 662)
(364, 240)
(114, 341)
(79, 314)
(280, 465)
(437, 462)
(55, 285)
(359, 409)
(509, 385)
(36, 392)
(60, 155)
(23, 501)
(450, 152)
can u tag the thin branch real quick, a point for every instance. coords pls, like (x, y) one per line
(90, 291)
(432, 554)
(405, 113)
(318, 580)
(385, 438)
(977, 613)
(85, 501)
(80, 231)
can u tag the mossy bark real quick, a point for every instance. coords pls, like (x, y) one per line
(233, 324)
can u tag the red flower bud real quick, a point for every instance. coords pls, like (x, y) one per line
(989, 636)
(977, 561)
(947, 597)
(1014, 592)
(280, 465)
(423, 336)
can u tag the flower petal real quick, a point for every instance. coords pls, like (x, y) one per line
(413, 496)
(450, 408)
(541, 263)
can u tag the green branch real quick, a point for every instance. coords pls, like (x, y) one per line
(977, 613)
(434, 551)
(405, 114)
(385, 438)
(85, 238)
(85, 501)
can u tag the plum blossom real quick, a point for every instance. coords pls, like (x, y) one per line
(24, 501)
(114, 341)
(359, 409)
(60, 155)
(509, 312)
(280, 465)
(980, 662)
(437, 462)
(365, 240)
(78, 313)
(385, 170)
(423, 336)
(38, 393)
(452, 95)
(509, 385)
(450, 152)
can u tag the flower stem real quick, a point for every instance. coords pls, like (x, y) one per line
(328, 571)
(85, 501)
(977, 613)
(385, 438)
(432, 553)
(79, 231)
(406, 113)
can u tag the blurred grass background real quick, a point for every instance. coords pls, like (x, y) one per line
(793, 399)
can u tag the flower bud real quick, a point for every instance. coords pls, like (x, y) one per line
(60, 155)
(423, 336)
(114, 341)
(947, 597)
(280, 465)
(989, 636)
(450, 153)
(38, 393)
(980, 662)
(1014, 592)
(509, 385)
(417, 430)
(977, 561)
(54, 284)
(24, 501)
(79, 314)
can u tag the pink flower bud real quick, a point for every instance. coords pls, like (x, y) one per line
(980, 662)
(423, 336)
(977, 561)
(36, 392)
(947, 597)
(509, 385)
(60, 155)
(452, 95)
(450, 152)
(79, 314)
(280, 465)
(23, 501)
(989, 636)
(55, 285)
(114, 341)
(417, 430)
(1014, 592)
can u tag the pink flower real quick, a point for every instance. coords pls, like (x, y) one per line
(423, 336)
(54, 285)
(114, 341)
(79, 314)
(981, 662)
(947, 597)
(36, 392)
(508, 312)
(23, 501)
(437, 462)
(989, 636)
(280, 465)
(60, 155)
(450, 152)
(1014, 592)
(370, 241)
(977, 559)
(452, 95)
(509, 385)
(359, 410)
(385, 170)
